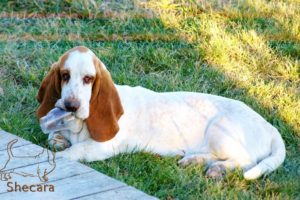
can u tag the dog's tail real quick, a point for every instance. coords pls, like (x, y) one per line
(9, 147)
(270, 163)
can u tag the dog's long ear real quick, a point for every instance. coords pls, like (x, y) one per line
(50, 91)
(105, 106)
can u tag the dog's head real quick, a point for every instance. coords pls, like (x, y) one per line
(79, 82)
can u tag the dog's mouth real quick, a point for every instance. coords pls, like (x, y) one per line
(79, 113)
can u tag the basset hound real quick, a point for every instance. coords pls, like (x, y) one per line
(206, 129)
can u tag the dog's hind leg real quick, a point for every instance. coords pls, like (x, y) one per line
(219, 168)
(199, 158)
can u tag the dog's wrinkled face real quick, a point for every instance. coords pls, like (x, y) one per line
(77, 76)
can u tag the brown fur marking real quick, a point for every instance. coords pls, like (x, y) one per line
(105, 106)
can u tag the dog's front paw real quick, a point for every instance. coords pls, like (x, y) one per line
(58, 142)
(66, 154)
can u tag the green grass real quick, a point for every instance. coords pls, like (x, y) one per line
(245, 50)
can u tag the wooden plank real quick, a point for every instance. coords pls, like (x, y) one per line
(5, 138)
(122, 193)
(22, 156)
(72, 187)
(59, 170)
(26, 164)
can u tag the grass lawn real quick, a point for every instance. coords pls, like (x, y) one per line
(242, 49)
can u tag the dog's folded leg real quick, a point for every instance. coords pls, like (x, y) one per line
(57, 142)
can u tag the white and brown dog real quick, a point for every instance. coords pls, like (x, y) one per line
(203, 128)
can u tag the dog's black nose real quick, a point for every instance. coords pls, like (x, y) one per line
(72, 105)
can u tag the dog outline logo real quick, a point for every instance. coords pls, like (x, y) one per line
(41, 172)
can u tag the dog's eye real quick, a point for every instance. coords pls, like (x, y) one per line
(66, 77)
(87, 79)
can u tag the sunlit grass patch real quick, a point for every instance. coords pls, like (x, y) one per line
(244, 56)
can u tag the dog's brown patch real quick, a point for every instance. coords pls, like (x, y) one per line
(105, 106)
